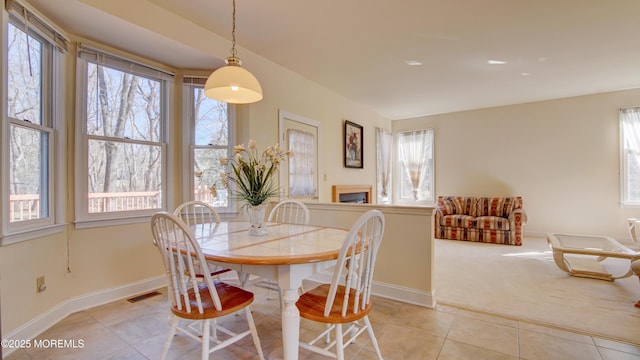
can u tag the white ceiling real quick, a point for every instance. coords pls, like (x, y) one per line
(359, 48)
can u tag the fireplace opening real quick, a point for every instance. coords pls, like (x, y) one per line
(355, 194)
(354, 198)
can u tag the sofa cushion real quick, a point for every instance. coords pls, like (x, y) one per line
(463, 221)
(492, 223)
(495, 206)
(451, 205)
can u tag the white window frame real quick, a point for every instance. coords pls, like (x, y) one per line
(84, 219)
(399, 173)
(189, 146)
(53, 91)
(629, 147)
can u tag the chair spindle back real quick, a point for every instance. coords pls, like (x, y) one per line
(356, 263)
(290, 212)
(182, 258)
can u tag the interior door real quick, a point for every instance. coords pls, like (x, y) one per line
(289, 121)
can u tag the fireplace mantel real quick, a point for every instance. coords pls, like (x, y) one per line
(337, 190)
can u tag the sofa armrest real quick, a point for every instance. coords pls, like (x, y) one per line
(513, 216)
(438, 219)
(517, 219)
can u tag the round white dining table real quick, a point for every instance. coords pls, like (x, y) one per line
(287, 254)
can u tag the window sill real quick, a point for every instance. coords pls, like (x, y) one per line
(88, 224)
(31, 234)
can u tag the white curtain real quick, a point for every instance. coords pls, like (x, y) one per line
(630, 124)
(302, 164)
(383, 149)
(630, 118)
(415, 148)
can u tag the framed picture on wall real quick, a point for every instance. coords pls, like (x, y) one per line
(353, 145)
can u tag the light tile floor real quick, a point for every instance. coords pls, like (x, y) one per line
(124, 330)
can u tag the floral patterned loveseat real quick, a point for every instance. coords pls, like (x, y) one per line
(497, 220)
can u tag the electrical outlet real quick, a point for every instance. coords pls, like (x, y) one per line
(40, 285)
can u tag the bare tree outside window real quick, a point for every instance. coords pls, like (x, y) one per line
(124, 140)
(211, 143)
(29, 128)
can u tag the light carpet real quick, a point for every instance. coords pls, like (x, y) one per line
(523, 282)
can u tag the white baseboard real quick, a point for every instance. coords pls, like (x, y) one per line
(404, 294)
(42, 322)
(389, 291)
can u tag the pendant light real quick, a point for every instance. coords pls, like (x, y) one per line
(232, 83)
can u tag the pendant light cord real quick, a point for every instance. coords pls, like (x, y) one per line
(233, 31)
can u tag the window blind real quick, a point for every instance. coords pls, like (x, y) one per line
(38, 23)
(114, 61)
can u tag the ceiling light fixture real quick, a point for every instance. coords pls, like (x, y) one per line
(413, 62)
(496, 62)
(232, 83)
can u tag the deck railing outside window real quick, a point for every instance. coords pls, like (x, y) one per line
(123, 201)
(24, 207)
(27, 206)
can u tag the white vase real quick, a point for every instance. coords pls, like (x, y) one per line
(256, 219)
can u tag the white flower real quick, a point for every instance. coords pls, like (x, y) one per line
(239, 148)
(252, 172)
(225, 179)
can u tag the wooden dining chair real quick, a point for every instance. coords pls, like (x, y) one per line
(347, 299)
(288, 212)
(197, 299)
(199, 212)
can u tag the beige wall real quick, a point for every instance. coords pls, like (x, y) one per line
(405, 257)
(561, 155)
(106, 258)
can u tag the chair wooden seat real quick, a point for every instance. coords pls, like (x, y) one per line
(232, 299)
(312, 304)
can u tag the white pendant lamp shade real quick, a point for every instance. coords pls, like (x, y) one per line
(233, 84)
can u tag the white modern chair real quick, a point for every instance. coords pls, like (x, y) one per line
(197, 299)
(199, 212)
(347, 300)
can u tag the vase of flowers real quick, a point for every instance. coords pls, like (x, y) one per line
(256, 219)
(253, 176)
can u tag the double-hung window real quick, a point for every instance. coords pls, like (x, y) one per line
(415, 158)
(208, 130)
(32, 160)
(630, 155)
(121, 153)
